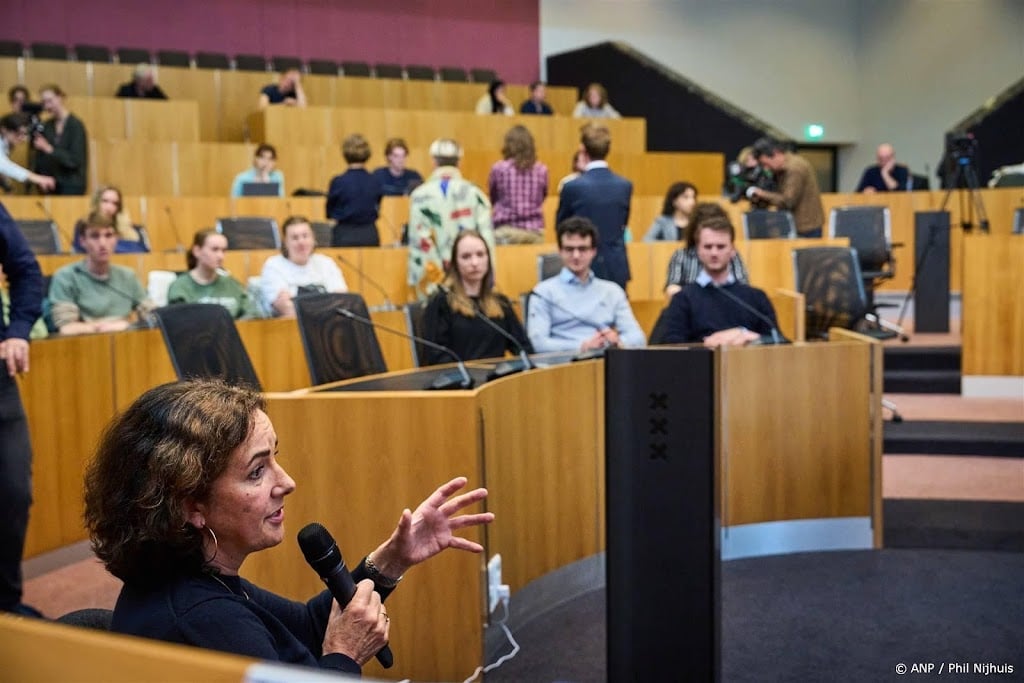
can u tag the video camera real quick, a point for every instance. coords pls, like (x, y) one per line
(742, 177)
(961, 148)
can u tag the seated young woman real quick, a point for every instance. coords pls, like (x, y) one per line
(297, 269)
(451, 316)
(206, 282)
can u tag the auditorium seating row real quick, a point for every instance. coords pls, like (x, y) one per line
(172, 220)
(226, 98)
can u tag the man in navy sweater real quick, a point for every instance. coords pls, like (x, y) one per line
(707, 310)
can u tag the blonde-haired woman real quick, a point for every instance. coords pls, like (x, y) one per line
(107, 200)
(518, 185)
(594, 104)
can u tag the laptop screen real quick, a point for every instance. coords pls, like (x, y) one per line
(261, 189)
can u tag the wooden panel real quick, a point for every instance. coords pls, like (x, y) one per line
(27, 648)
(308, 167)
(802, 469)
(141, 362)
(790, 313)
(355, 442)
(104, 117)
(173, 220)
(9, 71)
(394, 215)
(200, 85)
(396, 350)
(239, 96)
(137, 169)
(70, 76)
(993, 305)
(68, 398)
(644, 282)
(174, 120)
(106, 79)
(207, 169)
(386, 266)
(515, 267)
(275, 348)
(279, 208)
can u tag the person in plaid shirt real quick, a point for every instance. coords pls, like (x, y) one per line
(518, 184)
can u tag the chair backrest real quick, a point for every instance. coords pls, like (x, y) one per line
(173, 58)
(761, 224)
(453, 74)
(381, 70)
(250, 63)
(92, 53)
(325, 67)
(322, 231)
(250, 232)
(830, 280)
(90, 617)
(548, 265)
(11, 48)
(336, 347)
(414, 316)
(212, 60)
(483, 75)
(361, 69)
(42, 236)
(49, 51)
(282, 64)
(869, 231)
(203, 341)
(420, 72)
(1018, 221)
(135, 55)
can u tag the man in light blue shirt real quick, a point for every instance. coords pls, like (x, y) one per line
(261, 171)
(575, 311)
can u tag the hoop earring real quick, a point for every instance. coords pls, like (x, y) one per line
(216, 546)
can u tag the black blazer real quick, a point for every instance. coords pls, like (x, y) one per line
(603, 197)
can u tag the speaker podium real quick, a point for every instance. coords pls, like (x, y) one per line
(663, 542)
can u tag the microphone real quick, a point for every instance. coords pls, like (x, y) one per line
(60, 230)
(582, 355)
(502, 369)
(774, 337)
(322, 554)
(388, 304)
(179, 245)
(460, 380)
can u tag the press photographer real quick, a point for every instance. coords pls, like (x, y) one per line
(798, 186)
(745, 173)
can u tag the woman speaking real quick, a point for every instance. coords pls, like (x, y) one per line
(186, 484)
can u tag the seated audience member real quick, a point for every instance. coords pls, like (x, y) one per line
(106, 200)
(684, 266)
(353, 199)
(14, 130)
(287, 91)
(143, 84)
(439, 210)
(297, 270)
(19, 98)
(451, 318)
(62, 150)
(537, 104)
(495, 101)
(886, 175)
(670, 226)
(206, 282)
(594, 104)
(187, 483)
(518, 184)
(575, 311)
(262, 170)
(579, 165)
(95, 295)
(395, 179)
(702, 313)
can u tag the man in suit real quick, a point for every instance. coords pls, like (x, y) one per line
(603, 197)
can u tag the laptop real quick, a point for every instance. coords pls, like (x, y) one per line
(261, 189)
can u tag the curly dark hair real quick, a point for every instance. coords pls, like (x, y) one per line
(164, 450)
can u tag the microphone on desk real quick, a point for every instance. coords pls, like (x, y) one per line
(582, 355)
(774, 337)
(388, 304)
(322, 554)
(60, 230)
(461, 379)
(179, 245)
(506, 368)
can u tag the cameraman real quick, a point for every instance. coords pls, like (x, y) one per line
(798, 186)
(62, 148)
(744, 173)
(14, 129)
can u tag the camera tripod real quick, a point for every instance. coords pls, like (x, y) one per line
(966, 173)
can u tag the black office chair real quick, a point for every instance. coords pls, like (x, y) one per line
(869, 230)
(212, 60)
(325, 67)
(11, 48)
(282, 64)
(337, 347)
(381, 70)
(250, 63)
(322, 232)
(414, 314)
(1018, 222)
(833, 287)
(250, 232)
(90, 617)
(42, 236)
(548, 265)
(360, 69)
(420, 72)
(453, 74)
(761, 224)
(173, 58)
(93, 53)
(49, 51)
(203, 341)
(483, 75)
(135, 55)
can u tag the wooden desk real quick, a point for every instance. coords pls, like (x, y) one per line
(993, 305)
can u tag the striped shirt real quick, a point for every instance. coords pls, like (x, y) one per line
(517, 195)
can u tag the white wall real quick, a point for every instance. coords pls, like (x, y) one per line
(868, 70)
